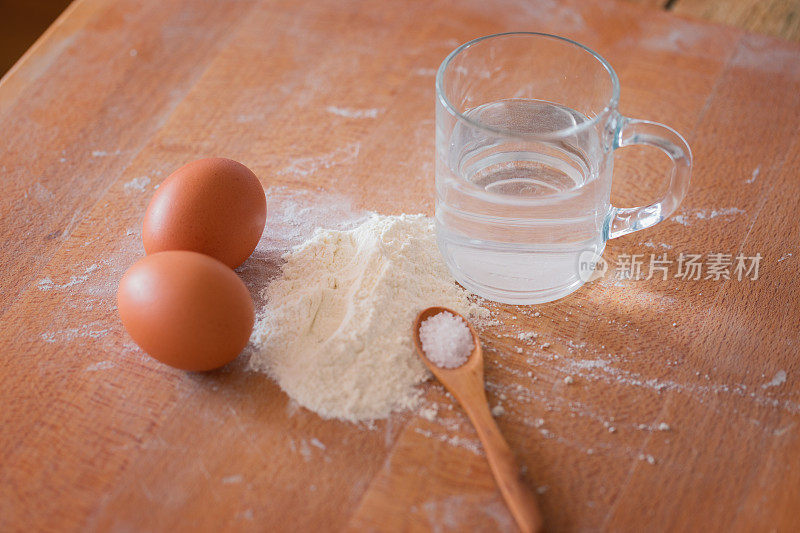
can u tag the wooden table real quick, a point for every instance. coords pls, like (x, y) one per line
(684, 410)
(779, 18)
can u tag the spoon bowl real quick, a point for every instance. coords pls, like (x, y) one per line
(473, 364)
(465, 383)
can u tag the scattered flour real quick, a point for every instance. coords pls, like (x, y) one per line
(306, 166)
(47, 284)
(779, 379)
(425, 72)
(305, 451)
(498, 410)
(335, 331)
(454, 440)
(353, 113)
(91, 331)
(714, 213)
(702, 214)
(103, 153)
(137, 184)
(647, 457)
(754, 175)
(429, 413)
(102, 365)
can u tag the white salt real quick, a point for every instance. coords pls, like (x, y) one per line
(446, 340)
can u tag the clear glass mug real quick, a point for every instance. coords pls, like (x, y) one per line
(526, 128)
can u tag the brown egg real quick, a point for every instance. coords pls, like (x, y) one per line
(213, 206)
(186, 309)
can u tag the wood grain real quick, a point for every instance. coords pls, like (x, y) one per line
(658, 4)
(96, 436)
(779, 18)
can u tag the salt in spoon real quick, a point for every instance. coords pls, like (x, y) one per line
(465, 383)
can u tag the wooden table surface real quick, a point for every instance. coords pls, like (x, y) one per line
(779, 18)
(331, 103)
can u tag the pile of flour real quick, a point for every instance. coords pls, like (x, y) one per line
(335, 331)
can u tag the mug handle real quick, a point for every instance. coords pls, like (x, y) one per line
(630, 131)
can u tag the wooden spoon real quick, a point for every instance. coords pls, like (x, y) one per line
(465, 383)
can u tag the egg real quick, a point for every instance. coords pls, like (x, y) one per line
(214, 206)
(186, 309)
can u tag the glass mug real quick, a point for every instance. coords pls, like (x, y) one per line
(526, 128)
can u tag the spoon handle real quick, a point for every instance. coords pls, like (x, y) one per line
(519, 498)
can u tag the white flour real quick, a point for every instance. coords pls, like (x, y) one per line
(335, 331)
